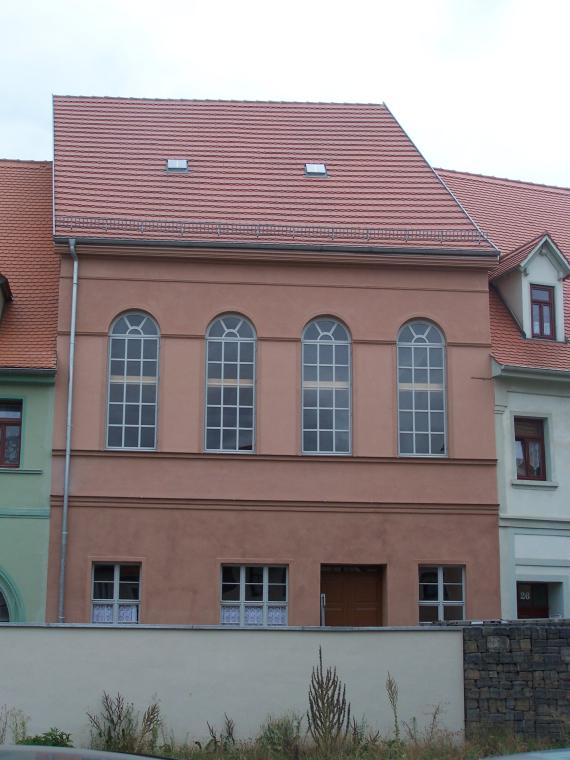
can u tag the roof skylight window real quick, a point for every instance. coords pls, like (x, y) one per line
(316, 170)
(177, 164)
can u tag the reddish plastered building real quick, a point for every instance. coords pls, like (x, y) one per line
(282, 409)
(530, 327)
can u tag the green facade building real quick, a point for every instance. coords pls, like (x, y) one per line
(28, 323)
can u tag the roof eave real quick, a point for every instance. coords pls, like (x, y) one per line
(516, 372)
(281, 246)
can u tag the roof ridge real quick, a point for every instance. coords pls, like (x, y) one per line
(23, 161)
(507, 180)
(222, 100)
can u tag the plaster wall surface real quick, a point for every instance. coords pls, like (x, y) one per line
(534, 515)
(25, 502)
(276, 505)
(198, 675)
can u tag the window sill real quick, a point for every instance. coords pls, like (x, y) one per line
(548, 484)
(19, 471)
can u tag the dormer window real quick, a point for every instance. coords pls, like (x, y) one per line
(530, 280)
(542, 312)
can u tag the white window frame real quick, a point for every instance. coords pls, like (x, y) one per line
(115, 601)
(224, 383)
(265, 604)
(441, 604)
(143, 380)
(413, 386)
(317, 386)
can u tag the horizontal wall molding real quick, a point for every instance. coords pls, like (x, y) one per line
(546, 562)
(226, 505)
(533, 523)
(297, 458)
(24, 512)
(277, 339)
(19, 471)
(257, 283)
(8, 377)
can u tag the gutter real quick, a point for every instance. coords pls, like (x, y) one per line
(317, 247)
(68, 428)
(27, 371)
(528, 373)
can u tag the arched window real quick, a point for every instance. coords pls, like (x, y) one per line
(326, 387)
(230, 384)
(421, 390)
(133, 382)
(4, 611)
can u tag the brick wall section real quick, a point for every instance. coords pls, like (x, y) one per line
(517, 677)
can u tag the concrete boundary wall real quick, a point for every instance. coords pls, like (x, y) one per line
(55, 674)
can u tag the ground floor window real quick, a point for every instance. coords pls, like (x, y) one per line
(116, 593)
(254, 595)
(442, 595)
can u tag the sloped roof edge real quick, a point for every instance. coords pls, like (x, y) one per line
(521, 257)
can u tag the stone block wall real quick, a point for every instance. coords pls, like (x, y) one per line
(517, 677)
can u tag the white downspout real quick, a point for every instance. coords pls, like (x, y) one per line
(68, 427)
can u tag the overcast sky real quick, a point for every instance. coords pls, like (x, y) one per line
(479, 85)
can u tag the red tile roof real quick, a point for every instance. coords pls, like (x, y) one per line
(510, 212)
(516, 215)
(246, 178)
(28, 260)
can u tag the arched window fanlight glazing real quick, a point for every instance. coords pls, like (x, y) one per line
(230, 384)
(133, 382)
(421, 390)
(326, 387)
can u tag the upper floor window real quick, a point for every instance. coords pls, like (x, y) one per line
(10, 433)
(116, 593)
(326, 387)
(421, 390)
(542, 312)
(133, 382)
(529, 449)
(230, 384)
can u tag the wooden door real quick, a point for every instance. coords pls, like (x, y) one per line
(353, 595)
(532, 600)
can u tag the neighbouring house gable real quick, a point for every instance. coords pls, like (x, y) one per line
(536, 267)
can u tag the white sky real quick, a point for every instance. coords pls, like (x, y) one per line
(479, 85)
